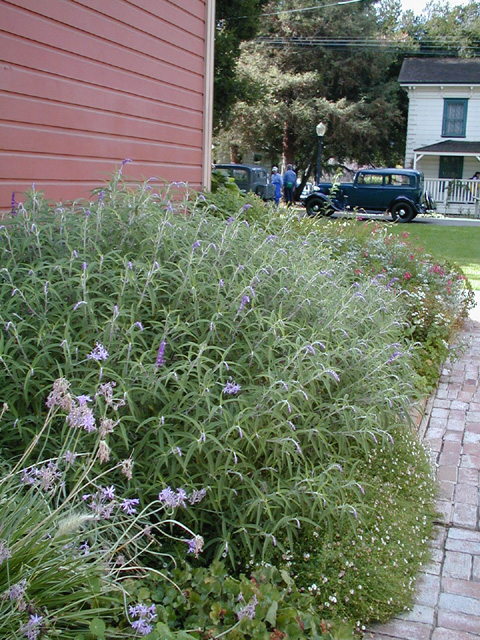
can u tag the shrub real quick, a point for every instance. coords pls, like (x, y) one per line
(248, 363)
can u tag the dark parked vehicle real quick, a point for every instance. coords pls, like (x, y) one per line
(399, 192)
(249, 177)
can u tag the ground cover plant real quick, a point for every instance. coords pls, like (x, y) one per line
(457, 244)
(258, 390)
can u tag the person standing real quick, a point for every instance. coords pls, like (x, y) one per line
(276, 180)
(289, 183)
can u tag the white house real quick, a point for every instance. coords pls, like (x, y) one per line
(443, 134)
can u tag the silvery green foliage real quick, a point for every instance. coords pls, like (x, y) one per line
(247, 363)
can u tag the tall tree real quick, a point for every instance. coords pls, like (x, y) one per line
(328, 64)
(236, 21)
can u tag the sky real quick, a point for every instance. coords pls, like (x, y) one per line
(418, 5)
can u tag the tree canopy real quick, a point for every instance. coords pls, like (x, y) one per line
(308, 62)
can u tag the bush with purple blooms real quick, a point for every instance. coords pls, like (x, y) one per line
(232, 371)
(240, 358)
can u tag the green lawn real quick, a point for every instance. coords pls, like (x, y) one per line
(458, 244)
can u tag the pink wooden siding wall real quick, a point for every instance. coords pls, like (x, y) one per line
(85, 84)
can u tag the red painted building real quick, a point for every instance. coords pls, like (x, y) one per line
(85, 84)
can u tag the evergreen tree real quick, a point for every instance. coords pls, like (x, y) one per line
(327, 64)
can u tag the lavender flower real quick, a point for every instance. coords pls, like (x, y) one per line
(139, 325)
(84, 266)
(60, 396)
(245, 300)
(197, 496)
(101, 503)
(101, 196)
(98, 353)
(128, 505)
(47, 478)
(82, 417)
(231, 388)
(106, 390)
(230, 220)
(4, 552)
(108, 493)
(247, 206)
(33, 627)
(334, 375)
(84, 548)
(160, 355)
(14, 209)
(195, 545)
(171, 499)
(70, 457)
(248, 611)
(395, 354)
(195, 245)
(126, 469)
(145, 616)
(16, 594)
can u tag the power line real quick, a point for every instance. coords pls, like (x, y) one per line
(366, 43)
(305, 9)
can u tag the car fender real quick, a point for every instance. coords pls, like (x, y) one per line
(326, 198)
(404, 199)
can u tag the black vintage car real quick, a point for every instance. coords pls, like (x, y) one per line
(399, 192)
(249, 177)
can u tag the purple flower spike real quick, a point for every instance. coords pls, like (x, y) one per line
(160, 355)
(14, 210)
(126, 161)
(245, 300)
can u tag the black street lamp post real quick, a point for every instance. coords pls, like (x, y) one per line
(321, 128)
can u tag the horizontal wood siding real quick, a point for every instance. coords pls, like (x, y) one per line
(85, 84)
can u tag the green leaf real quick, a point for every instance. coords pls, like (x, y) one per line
(286, 577)
(271, 615)
(143, 594)
(97, 627)
(164, 631)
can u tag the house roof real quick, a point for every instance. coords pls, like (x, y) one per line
(440, 71)
(451, 147)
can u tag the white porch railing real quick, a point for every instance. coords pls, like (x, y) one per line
(455, 197)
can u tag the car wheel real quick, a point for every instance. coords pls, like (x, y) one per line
(403, 212)
(316, 205)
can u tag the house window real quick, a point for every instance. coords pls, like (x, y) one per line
(451, 167)
(454, 118)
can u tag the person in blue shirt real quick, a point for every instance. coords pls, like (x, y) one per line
(289, 183)
(276, 179)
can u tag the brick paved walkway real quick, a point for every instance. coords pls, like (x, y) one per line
(448, 595)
